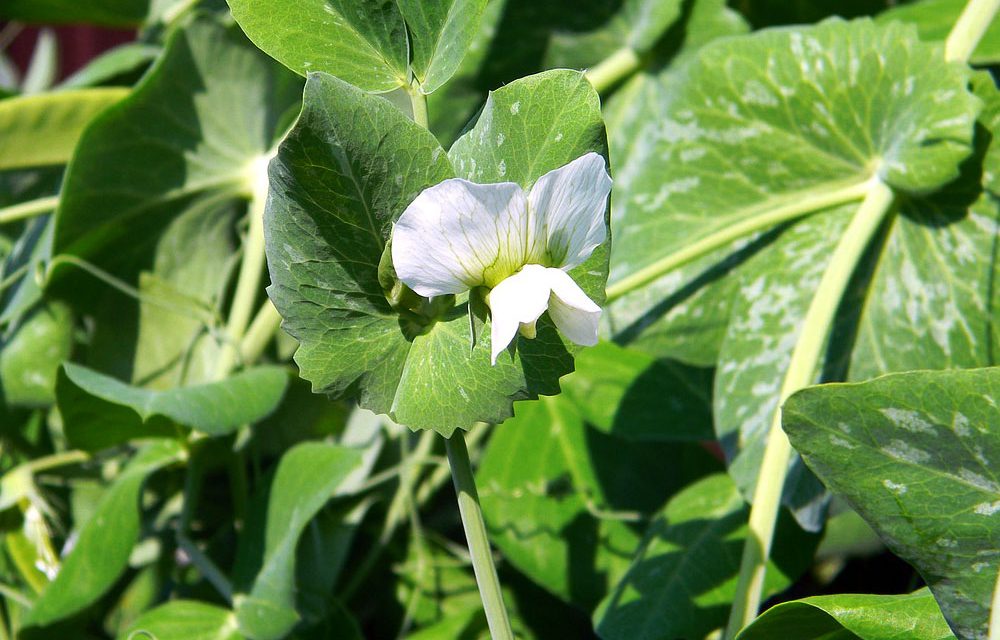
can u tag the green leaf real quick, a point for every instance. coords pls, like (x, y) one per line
(346, 171)
(308, 475)
(440, 32)
(780, 118)
(683, 578)
(362, 42)
(113, 13)
(194, 129)
(914, 454)
(796, 120)
(914, 616)
(184, 620)
(182, 297)
(103, 543)
(934, 19)
(630, 395)
(528, 128)
(99, 411)
(43, 129)
(30, 357)
(771, 298)
(561, 499)
(689, 323)
(929, 301)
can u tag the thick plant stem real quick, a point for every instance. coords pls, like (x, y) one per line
(28, 209)
(475, 533)
(265, 324)
(969, 29)
(618, 66)
(418, 101)
(796, 209)
(251, 271)
(801, 372)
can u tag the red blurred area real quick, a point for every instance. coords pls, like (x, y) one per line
(77, 45)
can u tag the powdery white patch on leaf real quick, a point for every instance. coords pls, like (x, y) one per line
(458, 235)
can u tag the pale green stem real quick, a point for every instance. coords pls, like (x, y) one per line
(418, 101)
(785, 213)
(30, 209)
(995, 612)
(265, 324)
(430, 486)
(801, 372)
(969, 29)
(613, 69)
(475, 533)
(251, 272)
(56, 460)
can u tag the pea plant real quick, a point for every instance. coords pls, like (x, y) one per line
(691, 302)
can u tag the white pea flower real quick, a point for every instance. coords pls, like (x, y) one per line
(458, 235)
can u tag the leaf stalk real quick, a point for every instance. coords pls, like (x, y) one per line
(801, 372)
(615, 68)
(969, 29)
(475, 533)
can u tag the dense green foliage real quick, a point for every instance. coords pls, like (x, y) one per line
(223, 414)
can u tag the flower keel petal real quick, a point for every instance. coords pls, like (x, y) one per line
(458, 235)
(573, 312)
(519, 299)
(568, 205)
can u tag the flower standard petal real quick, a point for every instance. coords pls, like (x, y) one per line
(573, 312)
(519, 299)
(568, 206)
(458, 235)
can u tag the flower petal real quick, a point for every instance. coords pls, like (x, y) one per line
(519, 299)
(569, 204)
(574, 313)
(458, 235)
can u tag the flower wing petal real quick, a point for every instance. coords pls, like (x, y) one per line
(519, 299)
(569, 203)
(458, 235)
(574, 313)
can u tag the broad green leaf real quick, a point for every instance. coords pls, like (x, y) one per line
(104, 543)
(306, 478)
(785, 117)
(195, 129)
(561, 499)
(914, 616)
(346, 171)
(930, 302)
(683, 578)
(633, 396)
(934, 19)
(31, 355)
(116, 13)
(914, 454)
(802, 116)
(771, 298)
(693, 318)
(440, 33)
(182, 296)
(363, 42)
(43, 129)
(184, 620)
(99, 411)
